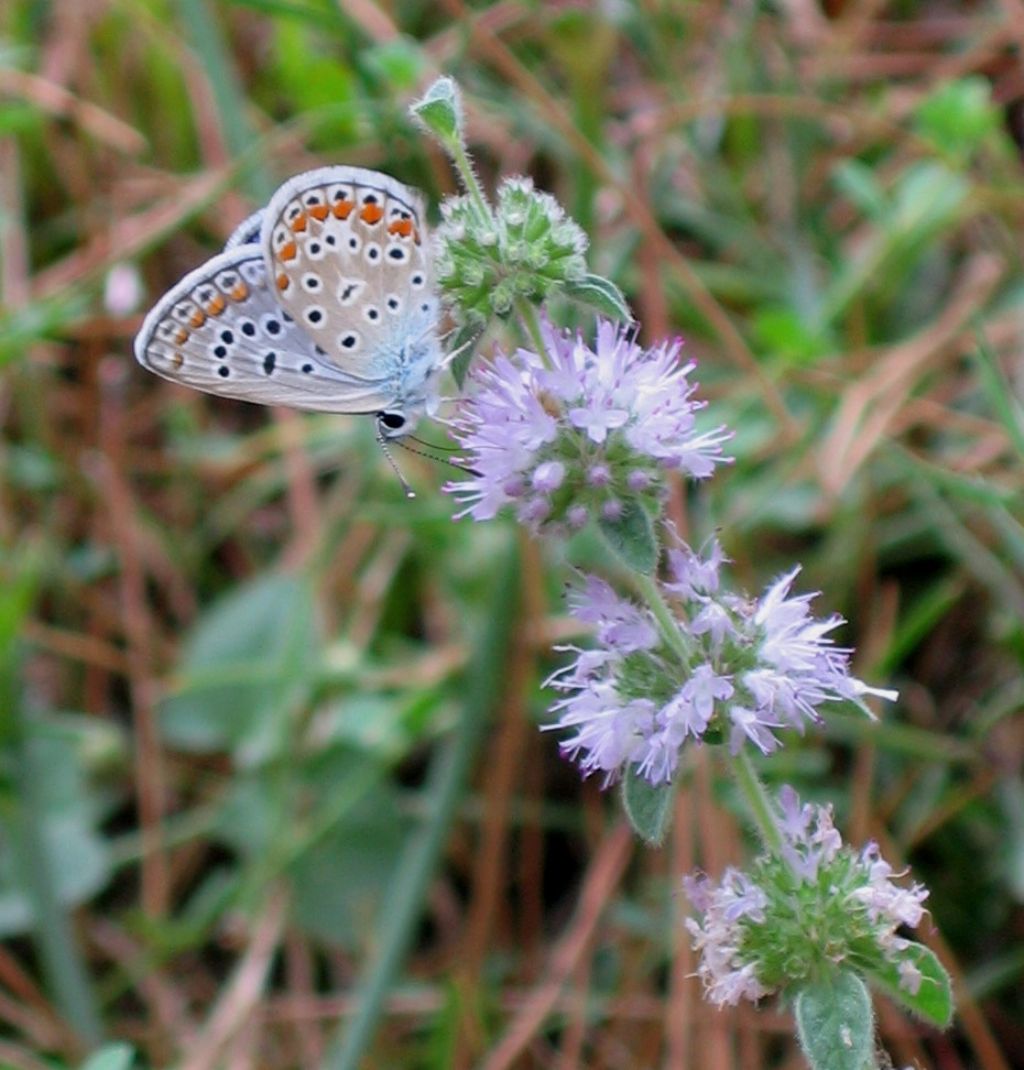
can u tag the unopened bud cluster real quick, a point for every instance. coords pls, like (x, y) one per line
(526, 248)
(799, 916)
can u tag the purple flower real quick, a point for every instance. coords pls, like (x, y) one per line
(586, 429)
(719, 936)
(734, 670)
(753, 931)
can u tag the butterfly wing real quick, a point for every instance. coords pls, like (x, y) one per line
(221, 330)
(247, 232)
(348, 254)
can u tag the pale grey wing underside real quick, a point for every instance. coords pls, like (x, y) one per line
(348, 251)
(247, 232)
(222, 330)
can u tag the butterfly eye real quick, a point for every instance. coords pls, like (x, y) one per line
(393, 421)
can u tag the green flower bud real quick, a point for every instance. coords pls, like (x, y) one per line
(528, 250)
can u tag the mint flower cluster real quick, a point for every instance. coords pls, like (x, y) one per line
(578, 433)
(753, 928)
(526, 248)
(725, 668)
(586, 429)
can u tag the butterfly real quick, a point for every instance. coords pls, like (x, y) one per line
(322, 301)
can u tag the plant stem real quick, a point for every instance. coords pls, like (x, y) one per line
(402, 908)
(465, 168)
(531, 326)
(667, 624)
(758, 802)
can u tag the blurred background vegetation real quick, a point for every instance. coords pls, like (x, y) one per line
(272, 792)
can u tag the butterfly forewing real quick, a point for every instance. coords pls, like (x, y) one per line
(247, 232)
(222, 330)
(347, 251)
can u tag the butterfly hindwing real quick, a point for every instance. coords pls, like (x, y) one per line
(222, 330)
(348, 254)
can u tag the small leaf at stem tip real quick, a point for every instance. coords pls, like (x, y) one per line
(631, 537)
(835, 1023)
(439, 110)
(600, 294)
(648, 806)
(933, 1000)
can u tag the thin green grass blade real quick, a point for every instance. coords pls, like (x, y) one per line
(402, 909)
(208, 41)
(999, 393)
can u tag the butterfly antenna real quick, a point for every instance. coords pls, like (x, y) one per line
(433, 445)
(433, 456)
(409, 492)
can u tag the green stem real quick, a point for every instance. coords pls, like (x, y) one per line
(663, 614)
(465, 168)
(531, 326)
(758, 802)
(401, 910)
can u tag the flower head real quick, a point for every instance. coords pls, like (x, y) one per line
(752, 929)
(527, 248)
(734, 670)
(578, 436)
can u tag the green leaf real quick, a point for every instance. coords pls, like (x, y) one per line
(601, 295)
(247, 664)
(835, 1024)
(859, 182)
(934, 999)
(342, 874)
(785, 333)
(631, 536)
(399, 61)
(464, 345)
(648, 806)
(959, 116)
(66, 813)
(110, 1057)
(440, 111)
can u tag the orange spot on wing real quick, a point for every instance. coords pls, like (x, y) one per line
(343, 209)
(298, 224)
(289, 251)
(197, 320)
(401, 227)
(240, 292)
(182, 336)
(319, 212)
(372, 213)
(216, 306)
(177, 359)
(282, 281)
